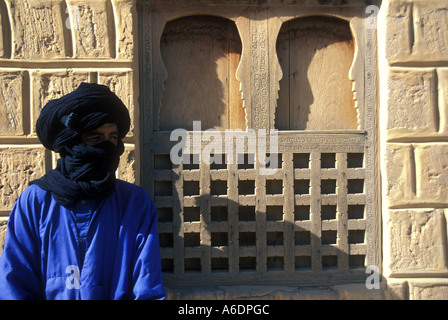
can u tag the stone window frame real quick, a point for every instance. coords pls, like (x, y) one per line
(152, 74)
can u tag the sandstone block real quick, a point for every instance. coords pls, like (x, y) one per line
(121, 83)
(127, 167)
(429, 289)
(37, 29)
(399, 31)
(49, 85)
(431, 30)
(2, 234)
(431, 166)
(18, 166)
(11, 103)
(412, 102)
(126, 28)
(396, 289)
(417, 174)
(400, 174)
(93, 29)
(4, 21)
(417, 242)
(417, 31)
(442, 74)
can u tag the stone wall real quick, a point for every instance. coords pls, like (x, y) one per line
(413, 37)
(48, 47)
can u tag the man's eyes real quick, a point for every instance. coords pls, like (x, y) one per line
(98, 137)
(94, 137)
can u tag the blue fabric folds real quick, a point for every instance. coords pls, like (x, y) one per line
(46, 257)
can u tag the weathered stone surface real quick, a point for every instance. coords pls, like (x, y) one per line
(18, 167)
(412, 102)
(417, 242)
(3, 25)
(37, 29)
(429, 289)
(49, 85)
(417, 31)
(431, 166)
(94, 29)
(396, 289)
(400, 174)
(260, 292)
(127, 167)
(417, 174)
(321, 3)
(2, 234)
(126, 28)
(442, 74)
(431, 30)
(399, 29)
(121, 83)
(358, 291)
(11, 103)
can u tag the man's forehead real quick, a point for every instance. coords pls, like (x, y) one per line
(106, 127)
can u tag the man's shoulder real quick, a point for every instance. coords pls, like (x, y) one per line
(32, 201)
(33, 191)
(133, 196)
(130, 189)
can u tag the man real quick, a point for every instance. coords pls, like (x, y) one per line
(78, 232)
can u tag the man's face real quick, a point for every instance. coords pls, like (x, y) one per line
(107, 131)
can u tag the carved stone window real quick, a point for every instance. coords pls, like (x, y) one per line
(306, 70)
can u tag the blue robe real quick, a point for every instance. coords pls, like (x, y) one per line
(112, 254)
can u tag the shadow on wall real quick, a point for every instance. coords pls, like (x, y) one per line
(315, 54)
(291, 255)
(208, 238)
(201, 54)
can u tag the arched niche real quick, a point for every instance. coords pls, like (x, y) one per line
(201, 54)
(316, 54)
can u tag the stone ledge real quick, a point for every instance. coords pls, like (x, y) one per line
(417, 289)
(260, 292)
